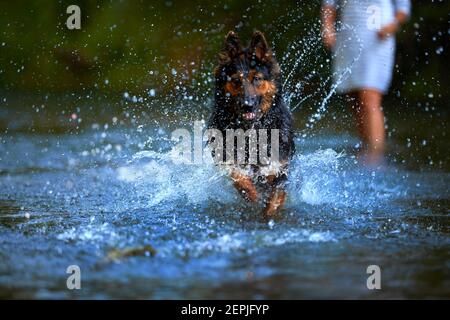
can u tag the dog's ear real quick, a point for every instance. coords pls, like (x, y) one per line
(231, 47)
(259, 48)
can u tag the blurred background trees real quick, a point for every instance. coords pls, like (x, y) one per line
(151, 47)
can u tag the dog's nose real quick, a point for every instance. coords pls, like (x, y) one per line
(250, 102)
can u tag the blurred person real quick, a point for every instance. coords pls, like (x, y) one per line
(362, 39)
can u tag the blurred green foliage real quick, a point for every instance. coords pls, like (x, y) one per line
(133, 46)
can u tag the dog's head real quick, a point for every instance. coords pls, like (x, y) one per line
(247, 78)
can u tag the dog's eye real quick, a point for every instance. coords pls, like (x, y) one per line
(236, 80)
(257, 79)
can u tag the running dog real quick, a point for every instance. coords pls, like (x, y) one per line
(248, 95)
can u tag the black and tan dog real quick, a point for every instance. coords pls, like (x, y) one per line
(248, 95)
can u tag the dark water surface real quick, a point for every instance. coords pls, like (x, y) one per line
(77, 196)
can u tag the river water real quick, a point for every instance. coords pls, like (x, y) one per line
(84, 196)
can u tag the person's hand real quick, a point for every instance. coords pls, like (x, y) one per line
(329, 37)
(387, 30)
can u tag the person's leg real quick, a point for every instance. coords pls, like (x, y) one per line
(370, 123)
(352, 99)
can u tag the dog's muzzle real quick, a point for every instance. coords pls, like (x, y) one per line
(249, 109)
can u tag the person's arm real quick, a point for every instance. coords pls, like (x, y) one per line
(403, 8)
(328, 17)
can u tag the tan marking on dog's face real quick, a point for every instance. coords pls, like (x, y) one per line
(234, 84)
(267, 90)
(262, 88)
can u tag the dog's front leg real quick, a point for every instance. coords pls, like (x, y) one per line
(244, 185)
(274, 203)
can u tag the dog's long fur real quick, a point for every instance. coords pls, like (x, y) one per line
(248, 94)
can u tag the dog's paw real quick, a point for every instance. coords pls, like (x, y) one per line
(245, 186)
(250, 194)
(274, 204)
